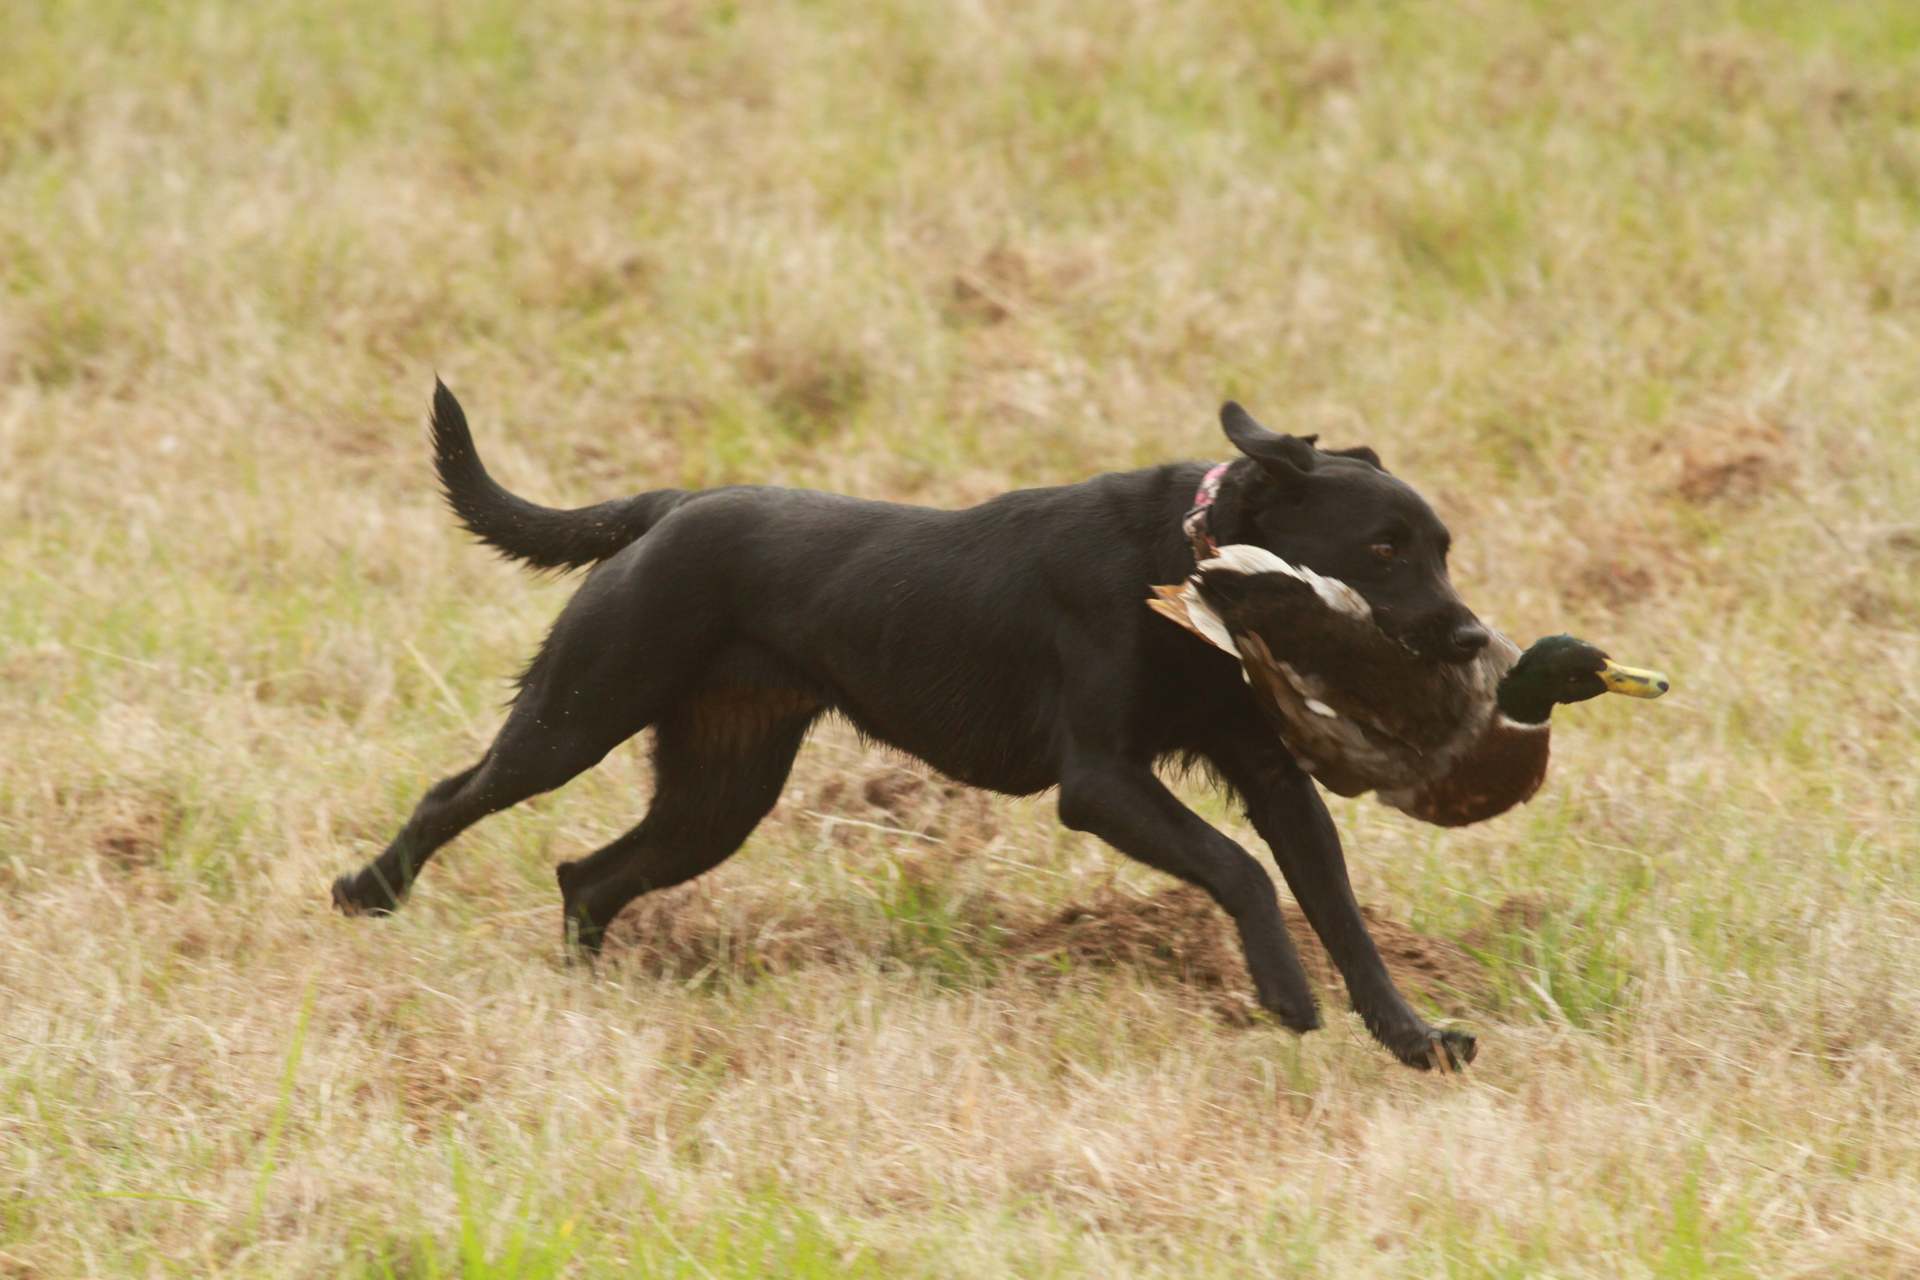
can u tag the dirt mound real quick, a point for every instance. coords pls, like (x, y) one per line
(1179, 933)
(686, 933)
(1519, 913)
(1177, 936)
(1736, 460)
(906, 801)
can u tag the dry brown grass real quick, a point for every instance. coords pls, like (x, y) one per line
(1632, 296)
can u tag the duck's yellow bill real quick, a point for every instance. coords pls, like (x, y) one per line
(1635, 682)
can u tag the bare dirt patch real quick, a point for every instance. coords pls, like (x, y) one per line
(1177, 936)
(1517, 913)
(1739, 478)
(1736, 460)
(892, 795)
(133, 829)
(1612, 581)
(1180, 935)
(687, 933)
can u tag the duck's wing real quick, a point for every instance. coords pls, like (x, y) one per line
(1321, 637)
(1176, 603)
(1343, 753)
(1340, 751)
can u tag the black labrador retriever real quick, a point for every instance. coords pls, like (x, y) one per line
(1008, 645)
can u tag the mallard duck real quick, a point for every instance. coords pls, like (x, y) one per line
(1450, 744)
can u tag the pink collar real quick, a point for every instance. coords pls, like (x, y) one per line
(1195, 524)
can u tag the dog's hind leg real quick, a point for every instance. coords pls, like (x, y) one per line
(513, 769)
(720, 760)
(378, 887)
(601, 677)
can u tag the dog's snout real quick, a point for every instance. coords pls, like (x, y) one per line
(1466, 641)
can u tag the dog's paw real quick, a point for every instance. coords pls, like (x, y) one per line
(579, 935)
(583, 941)
(362, 895)
(1298, 1018)
(1446, 1051)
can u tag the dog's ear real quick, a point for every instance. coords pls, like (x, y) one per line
(1287, 459)
(1360, 452)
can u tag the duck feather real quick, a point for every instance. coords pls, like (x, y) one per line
(1360, 710)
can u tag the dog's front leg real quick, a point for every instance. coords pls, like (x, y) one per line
(1127, 806)
(1287, 811)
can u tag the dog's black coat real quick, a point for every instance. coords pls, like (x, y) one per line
(1008, 645)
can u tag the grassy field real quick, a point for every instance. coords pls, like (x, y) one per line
(1633, 295)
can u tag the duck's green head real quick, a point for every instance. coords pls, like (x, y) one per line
(1563, 669)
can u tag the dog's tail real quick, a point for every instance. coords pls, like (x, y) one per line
(542, 537)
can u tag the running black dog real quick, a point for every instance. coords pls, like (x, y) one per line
(1008, 645)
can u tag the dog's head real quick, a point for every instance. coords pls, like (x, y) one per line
(1339, 513)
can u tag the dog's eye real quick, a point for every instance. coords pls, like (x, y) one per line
(1384, 550)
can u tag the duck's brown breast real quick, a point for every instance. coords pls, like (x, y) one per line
(1503, 768)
